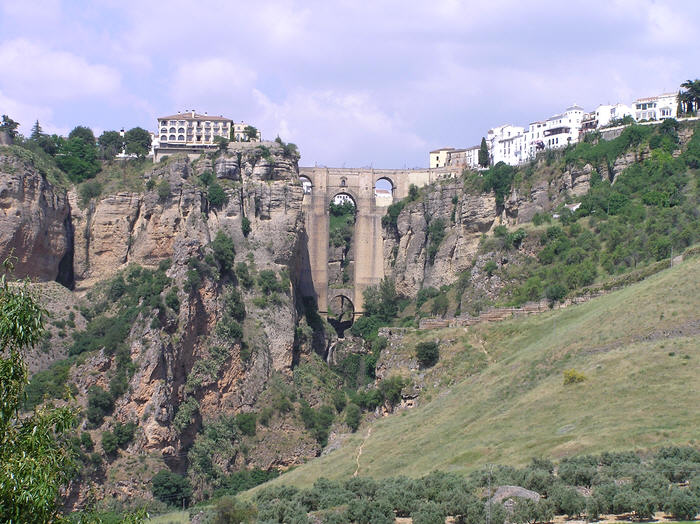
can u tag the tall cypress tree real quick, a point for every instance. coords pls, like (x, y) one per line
(483, 153)
(36, 131)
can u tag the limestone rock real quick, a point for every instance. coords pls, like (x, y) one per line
(34, 221)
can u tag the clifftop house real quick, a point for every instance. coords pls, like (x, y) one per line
(194, 133)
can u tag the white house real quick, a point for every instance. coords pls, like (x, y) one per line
(606, 113)
(506, 143)
(656, 107)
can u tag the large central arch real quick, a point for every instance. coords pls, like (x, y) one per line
(369, 189)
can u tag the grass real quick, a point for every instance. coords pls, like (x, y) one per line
(175, 517)
(637, 347)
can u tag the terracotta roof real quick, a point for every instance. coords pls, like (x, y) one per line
(443, 149)
(197, 116)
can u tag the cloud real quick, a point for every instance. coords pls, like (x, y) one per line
(335, 127)
(26, 114)
(36, 72)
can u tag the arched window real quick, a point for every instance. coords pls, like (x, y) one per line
(181, 130)
(181, 137)
(343, 182)
(172, 137)
(163, 137)
(172, 129)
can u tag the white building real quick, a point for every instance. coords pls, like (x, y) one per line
(506, 143)
(607, 114)
(192, 129)
(656, 107)
(239, 134)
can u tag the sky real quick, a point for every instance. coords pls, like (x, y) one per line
(352, 83)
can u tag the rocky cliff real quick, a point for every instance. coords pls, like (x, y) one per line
(460, 216)
(35, 221)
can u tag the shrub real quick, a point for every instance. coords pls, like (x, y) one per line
(171, 488)
(427, 353)
(100, 404)
(224, 251)
(440, 305)
(228, 510)
(339, 400)
(109, 443)
(124, 433)
(163, 189)
(490, 267)
(243, 275)
(245, 226)
(683, 504)
(86, 441)
(216, 195)
(245, 422)
(172, 301)
(391, 389)
(571, 376)
(89, 190)
(207, 177)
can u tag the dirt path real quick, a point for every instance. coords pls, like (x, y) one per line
(359, 451)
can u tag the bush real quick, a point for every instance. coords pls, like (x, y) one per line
(427, 353)
(163, 189)
(172, 301)
(571, 376)
(216, 195)
(229, 510)
(171, 488)
(224, 251)
(109, 443)
(245, 422)
(89, 190)
(391, 389)
(352, 416)
(100, 404)
(245, 226)
(243, 275)
(683, 504)
(339, 400)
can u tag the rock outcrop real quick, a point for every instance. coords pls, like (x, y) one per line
(35, 223)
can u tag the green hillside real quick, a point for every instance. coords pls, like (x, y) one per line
(637, 347)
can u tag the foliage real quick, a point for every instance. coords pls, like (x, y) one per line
(498, 179)
(268, 282)
(50, 383)
(245, 422)
(100, 404)
(483, 158)
(163, 189)
(389, 220)
(137, 142)
(171, 488)
(245, 226)
(9, 126)
(216, 195)
(110, 144)
(78, 159)
(391, 388)
(353, 416)
(229, 510)
(318, 421)
(341, 224)
(381, 301)
(243, 275)
(243, 480)
(250, 132)
(427, 353)
(88, 190)
(34, 464)
(571, 376)
(224, 251)
(436, 234)
(186, 412)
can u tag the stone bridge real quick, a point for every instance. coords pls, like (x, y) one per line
(321, 186)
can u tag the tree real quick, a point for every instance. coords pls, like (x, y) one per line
(36, 131)
(427, 353)
(229, 510)
(352, 416)
(138, 142)
(690, 98)
(84, 133)
(78, 159)
(216, 195)
(224, 251)
(222, 142)
(171, 488)
(483, 153)
(111, 144)
(34, 465)
(250, 132)
(9, 126)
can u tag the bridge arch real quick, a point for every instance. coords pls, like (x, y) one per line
(306, 184)
(341, 313)
(384, 191)
(344, 195)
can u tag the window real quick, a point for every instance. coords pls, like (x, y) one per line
(163, 137)
(181, 137)
(172, 137)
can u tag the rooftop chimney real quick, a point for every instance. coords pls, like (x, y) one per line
(193, 113)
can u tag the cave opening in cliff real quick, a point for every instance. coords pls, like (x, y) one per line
(341, 313)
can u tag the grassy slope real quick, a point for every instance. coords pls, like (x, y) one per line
(637, 395)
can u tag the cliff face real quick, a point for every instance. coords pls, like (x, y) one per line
(465, 216)
(34, 221)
